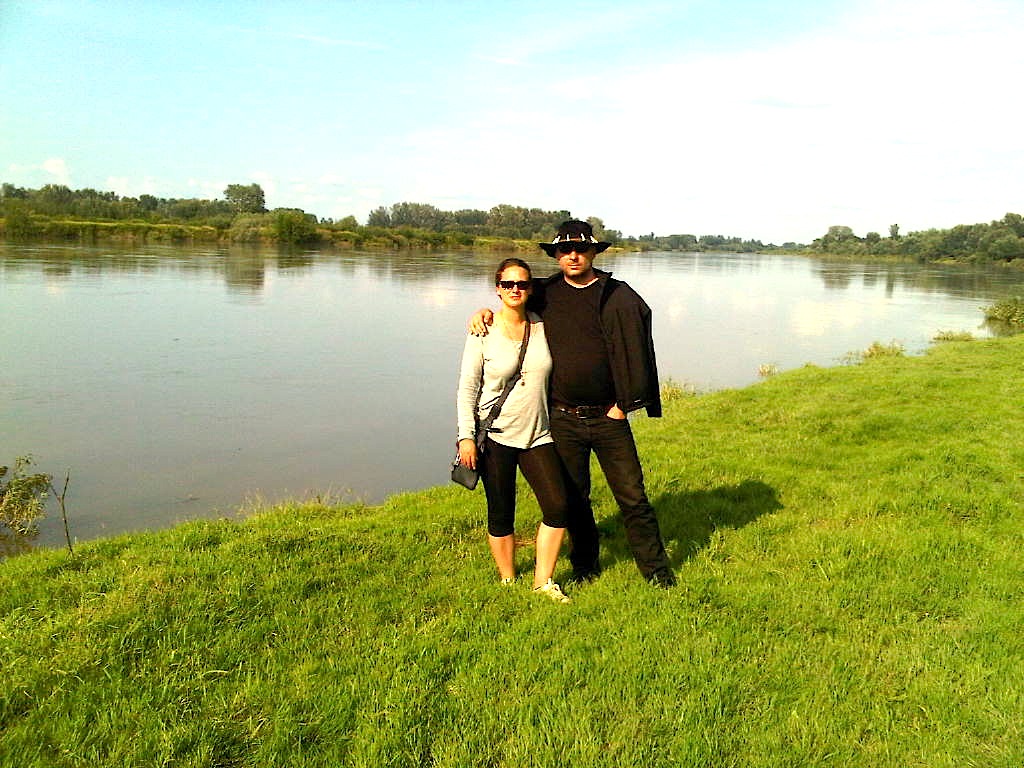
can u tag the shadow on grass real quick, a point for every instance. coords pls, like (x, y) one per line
(688, 519)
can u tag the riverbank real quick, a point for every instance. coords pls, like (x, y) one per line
(848, 543)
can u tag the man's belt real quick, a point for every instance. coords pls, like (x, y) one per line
(582, 411)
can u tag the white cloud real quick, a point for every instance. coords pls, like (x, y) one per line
(53, 170)
(58, 169)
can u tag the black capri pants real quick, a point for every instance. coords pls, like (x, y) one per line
(543, 471)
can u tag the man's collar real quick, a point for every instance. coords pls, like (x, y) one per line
(602, 276)
(581, 286)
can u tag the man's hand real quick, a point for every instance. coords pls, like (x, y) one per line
(615, 413)
(478, 323)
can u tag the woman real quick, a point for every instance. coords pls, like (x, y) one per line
(519, 435)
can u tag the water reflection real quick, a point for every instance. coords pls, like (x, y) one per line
(15, 544)
(245, 272)
(243, 267)
(952, 279)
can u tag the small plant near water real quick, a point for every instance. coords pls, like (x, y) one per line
(23, 496)
(1009, 311)
(767, 370)
(875, 351)
(954, 336)
(672, 390)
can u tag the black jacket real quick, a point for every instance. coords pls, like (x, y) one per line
(626, 324)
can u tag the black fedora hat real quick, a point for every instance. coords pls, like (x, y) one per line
(573, 231)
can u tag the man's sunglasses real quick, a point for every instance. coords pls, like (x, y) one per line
(579, 246)
(508, 285)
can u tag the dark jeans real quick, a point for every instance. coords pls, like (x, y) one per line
(612, 441)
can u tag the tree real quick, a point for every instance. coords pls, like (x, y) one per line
(419, 216)
(1015, 222)
(54, 199)
(11, 191)
(1007, 247)
(379, 217)
(599, 230)
(894, 231)
(246, 198)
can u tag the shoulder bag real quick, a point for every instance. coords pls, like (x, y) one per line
(462, 474)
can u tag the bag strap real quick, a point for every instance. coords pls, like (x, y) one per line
(496, 408)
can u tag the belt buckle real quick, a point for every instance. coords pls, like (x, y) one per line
(583, 411)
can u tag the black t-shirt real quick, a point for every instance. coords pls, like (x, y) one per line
(581, 374)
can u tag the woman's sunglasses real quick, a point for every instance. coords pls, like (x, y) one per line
(579, 246)
(508, 285)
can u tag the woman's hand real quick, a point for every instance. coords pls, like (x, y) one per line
(467, 452)
(478, 323)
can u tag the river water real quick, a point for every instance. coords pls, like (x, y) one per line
(181, 382)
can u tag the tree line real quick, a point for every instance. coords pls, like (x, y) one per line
(60, 200)
(242, 216)
(55, 210)
(999, 240)
(692, 243)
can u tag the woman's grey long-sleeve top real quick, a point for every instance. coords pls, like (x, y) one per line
(488, 362)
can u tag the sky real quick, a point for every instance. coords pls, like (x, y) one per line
(761, 120)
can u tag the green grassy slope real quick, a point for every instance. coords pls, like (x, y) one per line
(850, 551)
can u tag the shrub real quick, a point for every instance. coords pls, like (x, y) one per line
(18, 221)
(875, 351)
(248, 227)
(293, 226)
(23, 497)
(1007, 311)
(672, 390)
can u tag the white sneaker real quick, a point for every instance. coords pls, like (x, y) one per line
(551, 590)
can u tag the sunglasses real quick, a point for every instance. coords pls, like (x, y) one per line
(579, 246)
(508, 285)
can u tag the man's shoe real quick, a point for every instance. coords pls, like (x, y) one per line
(551, 590)
(663, 578)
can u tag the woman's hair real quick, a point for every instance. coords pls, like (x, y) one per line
(512, 262)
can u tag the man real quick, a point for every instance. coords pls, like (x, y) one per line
(599, 333)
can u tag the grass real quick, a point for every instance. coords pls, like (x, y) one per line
(849, 548)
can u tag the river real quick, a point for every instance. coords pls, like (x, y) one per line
(179, 382)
